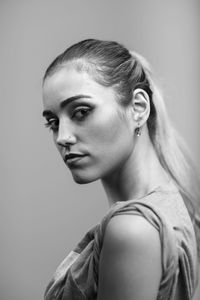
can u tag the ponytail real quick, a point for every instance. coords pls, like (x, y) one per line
(172, 151)
(111, 64)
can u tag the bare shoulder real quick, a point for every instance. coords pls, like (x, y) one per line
(134, 230)
(130, 262)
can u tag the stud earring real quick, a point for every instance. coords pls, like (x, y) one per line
(138, 130)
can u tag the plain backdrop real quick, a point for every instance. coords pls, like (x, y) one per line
(43, 213)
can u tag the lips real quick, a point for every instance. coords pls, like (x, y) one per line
(73, 157)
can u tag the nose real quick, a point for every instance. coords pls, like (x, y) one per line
(65, 136)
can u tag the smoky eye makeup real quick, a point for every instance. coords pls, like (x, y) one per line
(76, 110)
(52, 123)
(78, 107)
(51, 120)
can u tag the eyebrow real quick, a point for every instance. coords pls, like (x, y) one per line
(66, 102)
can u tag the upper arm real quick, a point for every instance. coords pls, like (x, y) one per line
(130, 262)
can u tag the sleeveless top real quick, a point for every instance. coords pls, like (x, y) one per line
(77, 276)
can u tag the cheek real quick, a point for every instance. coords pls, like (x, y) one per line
(110, 135)
(59, 148)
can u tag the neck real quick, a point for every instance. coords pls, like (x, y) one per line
(141, 173)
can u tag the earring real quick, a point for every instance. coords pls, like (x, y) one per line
(138, 130)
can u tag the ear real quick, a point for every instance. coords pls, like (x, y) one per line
(141, 106)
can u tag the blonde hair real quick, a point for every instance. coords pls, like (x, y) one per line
(173, 153)
(111, 64)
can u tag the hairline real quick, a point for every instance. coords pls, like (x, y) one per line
(82, 65)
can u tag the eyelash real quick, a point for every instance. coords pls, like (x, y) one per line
(86, 112)
(52, 124)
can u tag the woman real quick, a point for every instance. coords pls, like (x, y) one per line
(109, 122)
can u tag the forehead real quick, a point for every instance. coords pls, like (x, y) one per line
(65, 81)
(68, 82)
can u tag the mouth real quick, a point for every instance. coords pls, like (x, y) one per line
(73, 158)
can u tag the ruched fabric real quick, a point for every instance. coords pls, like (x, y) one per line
(77, 276)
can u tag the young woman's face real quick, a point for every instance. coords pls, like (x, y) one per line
(86, 120)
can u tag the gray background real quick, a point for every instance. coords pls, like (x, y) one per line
(43, 212)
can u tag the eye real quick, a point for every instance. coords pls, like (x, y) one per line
(52, 124)
(81, 113)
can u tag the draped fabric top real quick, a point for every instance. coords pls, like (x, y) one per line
(77, 276)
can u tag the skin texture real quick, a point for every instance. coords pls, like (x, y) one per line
(99, 134)
(130, 265)
(98, 126)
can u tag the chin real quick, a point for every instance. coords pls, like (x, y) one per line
(83, 179)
